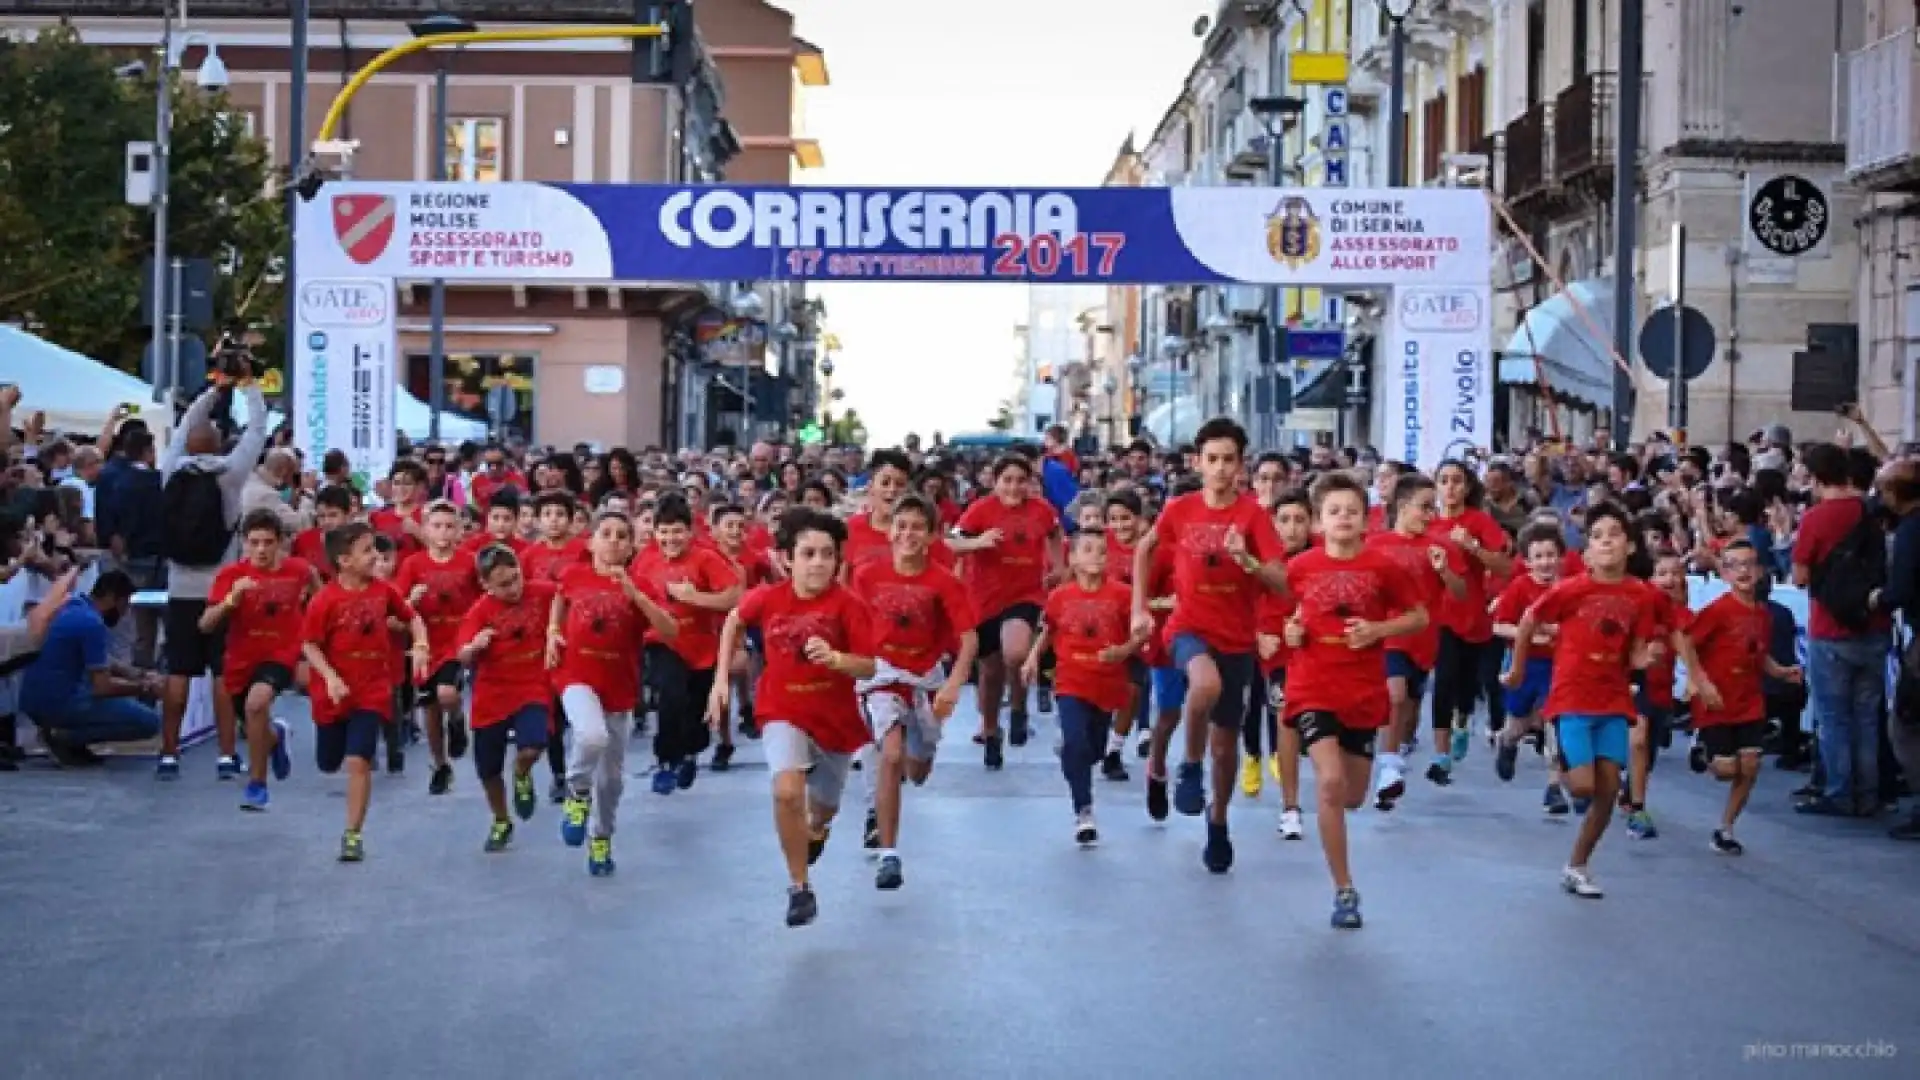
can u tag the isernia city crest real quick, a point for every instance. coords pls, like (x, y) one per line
(1293, 233)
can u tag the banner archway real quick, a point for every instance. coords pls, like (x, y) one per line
(1428, 248)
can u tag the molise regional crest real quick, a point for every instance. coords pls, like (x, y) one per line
(1293, 233)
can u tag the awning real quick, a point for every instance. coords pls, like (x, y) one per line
(1557, 341)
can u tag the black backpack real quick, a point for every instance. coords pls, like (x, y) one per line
(1850, 573)
(195, 532)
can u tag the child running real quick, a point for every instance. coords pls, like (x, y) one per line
(440, 583)
(698, 586)
(1544, 547)
(502, 640)
(1293, 520)
(1123, 515)
(349, 645)
(258, 599)
(1654, 699)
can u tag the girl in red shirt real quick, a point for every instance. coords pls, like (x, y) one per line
(1124, 516)
(1468, 666)
(1293, 520)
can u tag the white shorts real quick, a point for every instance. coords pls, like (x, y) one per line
(789, 749)
(889, 709)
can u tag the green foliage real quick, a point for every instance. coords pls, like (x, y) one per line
(71, 260)
(1002, 420)
(846, 429)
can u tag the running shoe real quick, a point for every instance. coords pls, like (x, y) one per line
(1085, 832)
(352, 848)
(1250, 777)
(887, 877)
(1291, 825)
(1640, 825)
(523, 796)
(396, 761)
(686, 773)
(722, 758)
(817, 843)
(1392, 783)
(499, 836)
(281, 760)
(1505, 759)
(665, 780)
(1346, 909)
(1461, 740)
(1722, 842)
(1114, 768)
(1017, 728)
(600, 856)
(1217, 856)
(441, 781)
(1441, 771)
(1156, 796)
(168, 768)
(1578, 880)
(573, 820)
(802, 908)
(456, 739)
(1189, 789)
(255, 798)
(1554, 801)
(1697, 757)
(994, 758)
(228, 767)
(870, 836)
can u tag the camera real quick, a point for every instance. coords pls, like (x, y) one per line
(233, 358)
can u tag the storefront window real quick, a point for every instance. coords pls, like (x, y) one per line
(495, 389)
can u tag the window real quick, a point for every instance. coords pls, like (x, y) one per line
(1580, 15)
(1433, 138)
(471, 378)
(473, 149)
(1536, 52)
(1472, 127)
(245, 119)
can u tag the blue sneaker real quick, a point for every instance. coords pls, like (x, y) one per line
(684, 776)
(665, 780)
(256, 797)
(1189, 790)
(1460, 742)
(1218, 855)
(228, 767)
(600, 857)
(1554, 801)
(282, 761)
(1346, 909)
(168, 769)
(573, 820)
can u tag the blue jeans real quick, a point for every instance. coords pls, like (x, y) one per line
(1083, 741)
(99, 720)
(1848, 686)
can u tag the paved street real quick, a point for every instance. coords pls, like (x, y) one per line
(150, 931)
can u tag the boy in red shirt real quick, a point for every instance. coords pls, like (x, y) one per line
(500, 526)
(332, 508)
(502, 639)
(819, 640)
(1087, 625)
(1293, 520)
(593, 637)
(697, 586)
(441, 585)
(557, 547)
(1653, 731)
(1169, 681)
(1352, 599)
(349, 646)
(401, 519)
(1544, 548)
(1225, 554)
(1437, 571)
(753, 566)
(1730, 637)
(258, 599)
(1604, 621)
(921, 610)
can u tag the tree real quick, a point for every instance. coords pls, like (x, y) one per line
(847, 429)
(1002, 420)
(70, 267)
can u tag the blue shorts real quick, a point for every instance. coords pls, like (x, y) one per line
(1169, 688)
(1237, 673)
(527, 727)
(355, 735)
(1401, 666)
(1531, 695)
(1585, 739)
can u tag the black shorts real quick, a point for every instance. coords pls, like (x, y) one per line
(449, 674)
(1732, 740)
(275, 677)
(354, 735)
(527, 727)
(1317, 724)
(989, 628)
(190, 651)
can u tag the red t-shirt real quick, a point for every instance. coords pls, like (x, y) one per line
(950, 513)
(542, 561)
(1669, 615)
(482, 540)
(1215, 599)
(1467, 617)
(1600, 623)
(311, 545)
(794, 690)
(917, 617)
(1325, 674)
(262, 628)
(1822, 528)
(1409, 553)
(1572, 564)
(1377, 518)
(451, 587)
(350, 628)
(602, 633)
(708, 571)
(390, 522)
(1159, 587)
(1081, 623)
(1014, 571)
(511, 673)
(867, 544)
(483, 486)
(1730, 637)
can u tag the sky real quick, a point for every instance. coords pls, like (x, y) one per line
(1027, 93)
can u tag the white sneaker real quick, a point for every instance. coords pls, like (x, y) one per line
(1085, 832)
(1391, 783)
(1291, 827)
(1578, 880)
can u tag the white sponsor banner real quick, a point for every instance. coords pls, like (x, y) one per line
(453, 231)
(1438, 386)
(1354, 236)
(344, 345)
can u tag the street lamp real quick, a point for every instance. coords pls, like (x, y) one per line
(433, 26)
(1174, 348)
(749, 308)
(1397, 12)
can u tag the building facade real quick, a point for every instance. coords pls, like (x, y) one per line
(1051, 364)
(1883, 161)
(588, 111)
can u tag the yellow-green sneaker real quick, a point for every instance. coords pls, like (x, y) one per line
(600, 856)
(351, 848)
(499, 836)
(573, 820)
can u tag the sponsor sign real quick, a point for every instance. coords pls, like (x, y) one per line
(1439, 402)
(343, 340)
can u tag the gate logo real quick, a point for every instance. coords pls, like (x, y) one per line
(1425, 310)
(364, 225)
(340, 304)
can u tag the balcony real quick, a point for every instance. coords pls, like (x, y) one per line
(1883, 130)
(1529, 150)
(1586, 123)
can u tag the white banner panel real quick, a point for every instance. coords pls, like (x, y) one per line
(1439, 395)
(344, 332)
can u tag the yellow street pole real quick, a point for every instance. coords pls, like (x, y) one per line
(554, 33)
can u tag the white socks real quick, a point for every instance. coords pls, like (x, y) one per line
(1116, 742)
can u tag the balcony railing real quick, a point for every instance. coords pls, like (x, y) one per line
(1529, 143)
(1883, 115)
(1584, 125)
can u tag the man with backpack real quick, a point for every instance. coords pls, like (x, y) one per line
(1841, 558)
(201, 492)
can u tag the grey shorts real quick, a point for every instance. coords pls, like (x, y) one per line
(789, 749)
(887, 710)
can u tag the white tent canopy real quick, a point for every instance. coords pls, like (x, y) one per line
(78, 393)
(1174, 422)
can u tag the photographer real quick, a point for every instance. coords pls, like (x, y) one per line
(71, 690)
